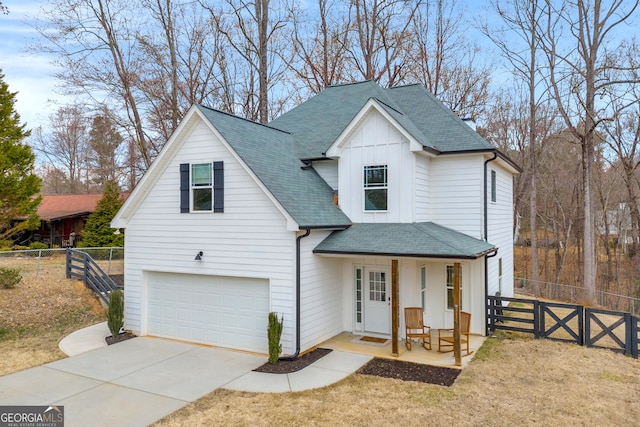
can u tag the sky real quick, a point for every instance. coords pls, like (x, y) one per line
(31, 75)
(28, 74)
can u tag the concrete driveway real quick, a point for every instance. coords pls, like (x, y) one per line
(132, 383)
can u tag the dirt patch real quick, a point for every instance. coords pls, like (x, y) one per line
(288, 366)
(407, 371)
(119, 338)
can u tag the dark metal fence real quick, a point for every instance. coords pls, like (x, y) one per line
(82, 266)
(614, 330)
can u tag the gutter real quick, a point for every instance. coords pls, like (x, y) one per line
(486, 238)
(294, 356)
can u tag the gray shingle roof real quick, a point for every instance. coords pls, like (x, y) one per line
(270, 154)
(273, 152)
(423, 239)
(316, 124)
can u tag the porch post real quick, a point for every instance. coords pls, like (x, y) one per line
(395, 307)
(456, 314)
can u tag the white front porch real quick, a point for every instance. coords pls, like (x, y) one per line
(368, 300)
(349, 342)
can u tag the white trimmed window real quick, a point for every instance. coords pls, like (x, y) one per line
(449, 285)
(375, 188)
(202, 187)
(493, 186)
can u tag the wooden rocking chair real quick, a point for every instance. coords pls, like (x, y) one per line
(415, 328)
(445, 336)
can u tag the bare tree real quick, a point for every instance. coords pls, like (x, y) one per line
(581, 64)
(445, 60)
(623, 138)
(321, 46)
(379, 39)
(519, 42)
(182, 62)
(559, 200)
(65, 146)
(94, 43)
(256, 32)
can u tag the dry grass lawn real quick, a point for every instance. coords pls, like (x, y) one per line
(511, 381)
(40, 311)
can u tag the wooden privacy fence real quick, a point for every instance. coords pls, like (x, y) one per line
(82, 266)
(614, 330)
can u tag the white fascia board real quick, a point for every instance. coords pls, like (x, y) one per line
(372, 104)
(156, 169)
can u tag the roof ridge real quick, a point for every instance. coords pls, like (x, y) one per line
(387, 104)
(406, 85)
(243, 119)
(350, 83)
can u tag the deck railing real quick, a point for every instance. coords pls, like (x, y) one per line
(81, 265)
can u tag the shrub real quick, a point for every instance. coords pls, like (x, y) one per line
(274, 332)
(9, 277)
(38, 245)
(115, 314)
(6, 244)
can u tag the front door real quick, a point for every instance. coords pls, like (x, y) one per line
(377, 301)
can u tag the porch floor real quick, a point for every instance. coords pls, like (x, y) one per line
(349, 342)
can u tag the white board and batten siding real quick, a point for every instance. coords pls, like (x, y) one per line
(500, 230)
(422, 187)
(321, 293)
(374, 142)
(328, 171)
(249, 240)
(455, 193)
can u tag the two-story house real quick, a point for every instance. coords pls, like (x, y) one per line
(307, 215)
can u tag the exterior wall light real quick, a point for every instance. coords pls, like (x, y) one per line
(199, 256)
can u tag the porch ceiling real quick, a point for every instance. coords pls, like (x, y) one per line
(422, 239)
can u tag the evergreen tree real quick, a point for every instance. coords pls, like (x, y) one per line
(97, 231)
(19, 185)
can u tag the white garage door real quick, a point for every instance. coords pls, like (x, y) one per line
(223, 311)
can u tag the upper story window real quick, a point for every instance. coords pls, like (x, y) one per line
(375, 188)
(202, 187)
(493, 186)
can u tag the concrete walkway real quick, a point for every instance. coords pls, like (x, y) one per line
(139, 381)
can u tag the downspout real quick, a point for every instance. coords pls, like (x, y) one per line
(486, 239)
(294, 356)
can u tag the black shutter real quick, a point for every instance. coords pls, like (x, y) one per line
(184, 187)
(218, 186)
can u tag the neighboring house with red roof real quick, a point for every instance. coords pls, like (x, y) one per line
(63, 214)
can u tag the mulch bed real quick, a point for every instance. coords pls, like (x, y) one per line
(387, 368)
(407, 371)
(288, 366)
(121, 337)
